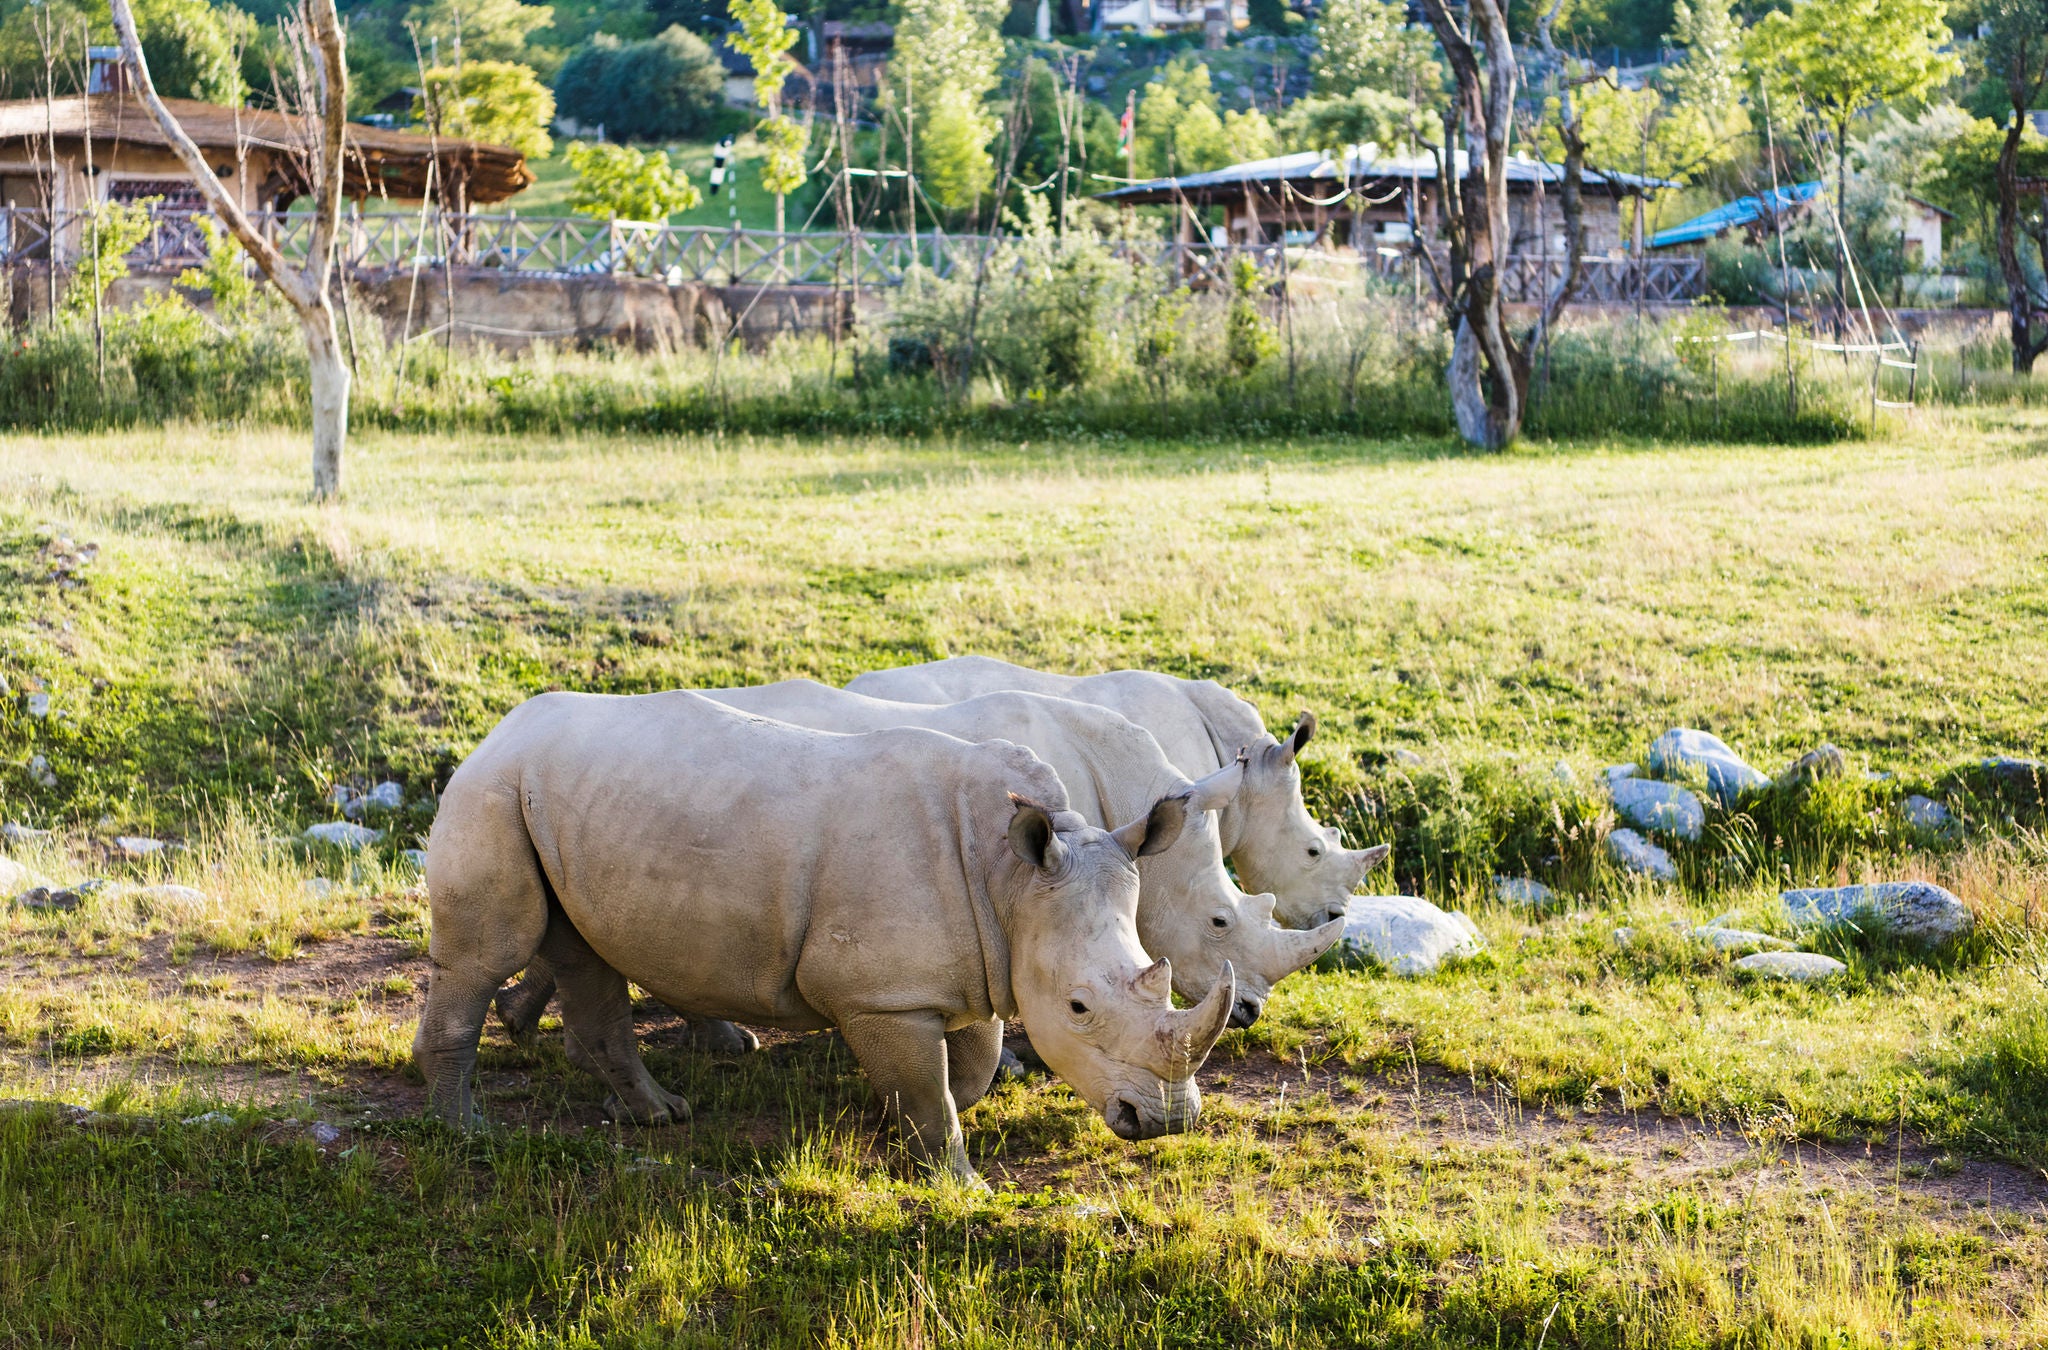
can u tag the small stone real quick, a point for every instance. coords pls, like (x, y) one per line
(1565, 774)
(171, 900)
(1684, 752)
(386, 796)
(1664, 807)
(46, 899)
(342, 834)
(1402, 755)
(323, 1134)
(1639, 855)
(209, 1118)
(138, 846)
(39, 771)
(1800, 967)
(319, 888)
(21, 834)
(416, 856)
(6, 689)
(1524, 893)
(1614, 773)
(1407, 935)
(1925, 813)
(1911, 911)
(14, 878)
(39, 704)
(1009, 1068)
(1740, 940)
(1722, 920)
(1824, 761)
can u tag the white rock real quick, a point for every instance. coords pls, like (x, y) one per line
(1404, 756)
(1925, 813)
(1638, 854)
(319, 888)
(210, 1118)
(39, 704)
(170, 900)
(1564, 773)
(416, 856)
(1802, 967)
(1664, 807)
(1524, 893)
(323, 1134)
(386, 796)
(138, 846)
(39, 770)
(21, 834)
(1912, 911)
(1407, 935)
(14, 879)
(1683, 753)
(1739, 940)
(1614, 773)
(342, 834)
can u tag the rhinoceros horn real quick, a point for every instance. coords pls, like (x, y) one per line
(1364, 860)
(1190, 1033)
(1297, 948)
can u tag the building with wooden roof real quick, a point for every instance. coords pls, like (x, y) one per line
(60, 156)
(1362, 198)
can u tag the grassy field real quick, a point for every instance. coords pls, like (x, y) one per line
(1562, 1142)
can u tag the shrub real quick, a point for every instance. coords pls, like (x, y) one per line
(667, 87)
(1247, 337)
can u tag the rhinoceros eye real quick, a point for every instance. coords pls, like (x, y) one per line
(1077, 1007)
(1218, 921)
(1314, 852)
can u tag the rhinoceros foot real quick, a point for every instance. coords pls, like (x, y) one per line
(652, 1105)
(714, 1037)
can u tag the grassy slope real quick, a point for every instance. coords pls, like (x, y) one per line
(1495, 615)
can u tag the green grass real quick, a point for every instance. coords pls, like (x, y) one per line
(1564, 1141)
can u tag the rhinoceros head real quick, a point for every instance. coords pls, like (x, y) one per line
(1100, 1011)
(1280, 849)
(1193, 914)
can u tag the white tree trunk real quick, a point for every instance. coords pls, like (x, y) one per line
(330, 398)
(1468, 398)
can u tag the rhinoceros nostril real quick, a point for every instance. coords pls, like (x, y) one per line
(1123, 1118)
(1245, 1012)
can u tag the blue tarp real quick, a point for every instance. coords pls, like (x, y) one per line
(1741, 211)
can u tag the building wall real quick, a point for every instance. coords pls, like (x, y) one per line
(122, 172)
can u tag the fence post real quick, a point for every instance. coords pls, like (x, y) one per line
(1913, 376)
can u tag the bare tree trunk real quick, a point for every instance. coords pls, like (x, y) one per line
(304, 289)
(2022, 306)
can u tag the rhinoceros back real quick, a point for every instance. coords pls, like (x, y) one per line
(742, 868)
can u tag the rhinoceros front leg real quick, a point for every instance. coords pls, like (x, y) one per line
(904, 1056)
(971, 1055)
(597, 1028)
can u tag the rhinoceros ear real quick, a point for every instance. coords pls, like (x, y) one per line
(1032, 836)
(1213, 792)
(1286, 750)
(1157, 830)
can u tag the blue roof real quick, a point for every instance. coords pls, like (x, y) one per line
(1741, 211)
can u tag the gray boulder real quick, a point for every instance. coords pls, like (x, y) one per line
(1799, 967)
(1524, 893)
(138, 846)
(1685, 753)
(1739, 939)
(1925, 813)
(21, 834)
(1825, 761)
(386, 796)
(342, 834)
(1912, 911)
(1639, 855)
(14, 878)
(47, 899)
(1407, 935)
(1664, 807)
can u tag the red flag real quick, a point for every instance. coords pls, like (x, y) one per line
(1127, 124)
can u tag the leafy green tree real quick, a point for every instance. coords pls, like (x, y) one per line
(1363, 116)
(480, 30)
(1367, 44)
(2015, 52)
(1838, 59)
(667, 87)
(940, 76)
(1179, 131)
(500, 102)
(225, 273)
(114, 231)
(617, 180)
(193, 48)
(1248, 337)
(765, 37)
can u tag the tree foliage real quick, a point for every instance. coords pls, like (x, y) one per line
(632, 184)
(193, 48)
(1368, 44)
(482, 30)
(940, 75)
(666, 87)
(1840, 58)
(1179, 130)
(500, 102)
(1362, 117)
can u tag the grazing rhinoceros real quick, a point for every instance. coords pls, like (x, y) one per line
(1189, 910)
(909, 888)
(1267, 833)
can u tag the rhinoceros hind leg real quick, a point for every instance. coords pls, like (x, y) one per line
(445, 1044)
(971, 1055)
(904, 1055)
(597, 1028)
(714, 1037)
(521, 1005)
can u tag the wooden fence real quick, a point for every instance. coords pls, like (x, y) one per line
(570, 246)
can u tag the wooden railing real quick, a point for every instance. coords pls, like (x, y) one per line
(571, 246)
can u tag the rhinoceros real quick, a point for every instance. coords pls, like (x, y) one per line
(910, 888)
(1267, 832)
